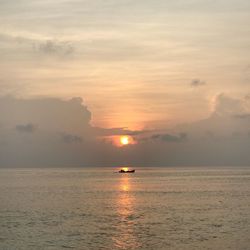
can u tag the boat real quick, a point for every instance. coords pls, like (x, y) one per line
(126, 170)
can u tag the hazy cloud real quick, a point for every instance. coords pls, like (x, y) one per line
(243, 116)
(117, 131)
(26, 128)
(197, 83)
(50, 113)
(68, 138)
(170, 138)
(53, 47)
(246, 73)
(226, 105)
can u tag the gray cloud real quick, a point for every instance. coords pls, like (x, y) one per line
(53, 47)
(170, 138)
(247, 97)
(26, 128)
(68, 138)
(246, 73)
(53, 114)
(197, 83)
(226, 105)
(117, 131)
(229, 115)
(242, 116)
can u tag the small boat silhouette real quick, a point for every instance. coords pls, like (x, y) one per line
(126, 171)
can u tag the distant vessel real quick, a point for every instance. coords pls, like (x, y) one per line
(126, 170)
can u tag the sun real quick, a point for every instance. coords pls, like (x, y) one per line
(124, 140)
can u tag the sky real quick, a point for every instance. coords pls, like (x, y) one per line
(75, 75)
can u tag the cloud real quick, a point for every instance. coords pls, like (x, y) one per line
(26, 128)
(197, 83)
(229, 115)
(246, 73)
(170, 138)
(227, 106)
(51, 114)
(117, 131)
(31, 43)
(53, 47)
(68, 138)
(242, 116)
(59, 140)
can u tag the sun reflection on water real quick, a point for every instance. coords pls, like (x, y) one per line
(125, 184)
(126, 237)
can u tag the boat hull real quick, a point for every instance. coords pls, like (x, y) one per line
(128, 171)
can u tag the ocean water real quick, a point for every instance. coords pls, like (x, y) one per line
(155, 208)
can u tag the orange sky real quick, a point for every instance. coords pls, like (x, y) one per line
(136, 64)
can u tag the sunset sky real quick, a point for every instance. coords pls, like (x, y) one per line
(172, 74)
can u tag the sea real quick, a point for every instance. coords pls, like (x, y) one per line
(98, 208)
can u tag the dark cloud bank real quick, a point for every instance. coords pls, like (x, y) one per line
(50, 132)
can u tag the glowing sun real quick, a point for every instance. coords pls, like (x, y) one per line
(124, 140)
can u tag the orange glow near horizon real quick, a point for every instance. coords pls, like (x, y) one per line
(121, 140)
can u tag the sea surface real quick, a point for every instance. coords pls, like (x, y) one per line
(154, 208)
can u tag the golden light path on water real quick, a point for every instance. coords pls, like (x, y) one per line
(126, 210)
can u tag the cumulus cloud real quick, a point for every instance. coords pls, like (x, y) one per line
(48, 113)
(229, 116)
(62, 126)
(65, 136)
(226, 105)
(197, 83)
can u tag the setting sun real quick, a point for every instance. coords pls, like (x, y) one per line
(124, 140)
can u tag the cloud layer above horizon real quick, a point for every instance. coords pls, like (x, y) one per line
(51, 132)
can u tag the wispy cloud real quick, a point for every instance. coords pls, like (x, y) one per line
(53, 47)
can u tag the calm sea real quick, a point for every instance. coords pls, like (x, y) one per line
(155, 208)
